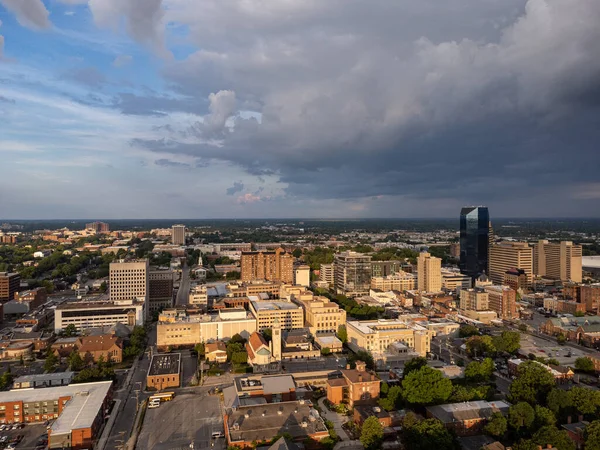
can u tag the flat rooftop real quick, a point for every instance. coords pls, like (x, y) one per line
(165, 364)
(274, 306)
(103, 304)
(467, 410)
(58, 376)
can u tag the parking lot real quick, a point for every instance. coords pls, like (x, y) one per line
(189, 367)
(29, 436)
(188, 418)
(547, 349)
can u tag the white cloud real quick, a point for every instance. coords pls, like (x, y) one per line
(29, 13)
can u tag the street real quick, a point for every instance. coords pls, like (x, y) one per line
(184, 287)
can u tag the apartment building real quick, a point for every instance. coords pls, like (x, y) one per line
(289, 315)
(558, 260)
(515, 279)
(246, 289)
(180, 329)
(476, 299)
(271, 266)
(160, 289)
(429, 273)
(455, 281)
(78, 411)
(99, 314)
(356, 387)
(352, 273)
(129, 280)
(98, 227)
(321, 315)
(400, 281)
(9, 285)
(503, 300)
(590, 296)
(385, 268)
(178, 234)
(376, 336)
(510, 255)
(326, 273)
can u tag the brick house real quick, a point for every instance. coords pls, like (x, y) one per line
(357, 386)
(216, 352)
(106, 345)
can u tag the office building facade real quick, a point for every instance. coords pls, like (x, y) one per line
(474, 240)
(160, 289)
(9, 286)
(302, 275)
(178, 234)
(503, 300)
(271, 266)
(400, 281)
(326, 273)
(476, 299)
(510, 255)
(558, 260)
(99, 314)
(128, 280)
(429, 273)
(376, 336)
(385, 268)
(321, 315)
(352, 275)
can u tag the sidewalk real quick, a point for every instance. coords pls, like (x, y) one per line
(334, 418)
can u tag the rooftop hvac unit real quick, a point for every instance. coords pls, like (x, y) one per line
(304, 424)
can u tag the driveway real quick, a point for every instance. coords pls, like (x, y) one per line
(334, 418)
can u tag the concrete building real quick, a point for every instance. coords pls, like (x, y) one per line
(9, 286)
(474, 299)
(352, 275)
(271, 266)
(264, 357)
(198, 296)
(400, 281)
(429, 273)
(164, 371)
(181, 330)
(288, 314)
(377, 336)
(99, 314)
(558, 260)
(44, 380)
(385, 268)
(128, 280)
(503, 300)
(160, 289)
(302, 275)
(98, 227)
(321, 315)
(326, 273)
(356, 387)
(178, 234)
(78, 411)
(455, 281)
(515, 279)
(510, 255)
(466, 418)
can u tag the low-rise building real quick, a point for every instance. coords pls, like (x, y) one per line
(32, 297)
(502, 300)
(356, 386)
(44, 380)
(321, 315)
(559, 374)
(476, 299)
(288, 314)
(99, 314)
(400, 281)
(262, 356)
(198, 296)
(164, 371)
(216, 352)
(455, 281)
(466, 418)
(105, 346)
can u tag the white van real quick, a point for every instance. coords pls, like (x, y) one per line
(217, 434)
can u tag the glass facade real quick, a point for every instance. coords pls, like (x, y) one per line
(474, 240)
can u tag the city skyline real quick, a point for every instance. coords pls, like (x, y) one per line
(298, 109)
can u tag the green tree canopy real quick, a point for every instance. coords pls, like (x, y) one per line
(508, 341)
(532, 384)
(371, 434)
(428, 434)
(544, 417)
(555, 437)
(364, 356)
(70, 330)
(585, 401)
(497, 425)
(426, 386)
(521, 416)
(480, 371)
(51, 362)
(558, 401)
(584, 364)
(592, 436)
(342, 334)
(480, 346)
(76, 362)
(414, 364)
(466, 331)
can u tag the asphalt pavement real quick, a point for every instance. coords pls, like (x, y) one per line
(184, 287)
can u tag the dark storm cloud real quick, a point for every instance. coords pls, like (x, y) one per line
(237, 187)
(394, 103)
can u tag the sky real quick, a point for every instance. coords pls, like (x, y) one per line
(299, 108)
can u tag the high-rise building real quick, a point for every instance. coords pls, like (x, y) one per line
(475, 299)
(510, 255)
(160, 289)
(9, 285)
(98, 227)
(352, 275)
(326, 273)
(455, 281)
(302, 275)
(503, 300)
(385, 268)
(590, 296)
(429, 273)
(474, 240)
(320, 314)
(515, 279)
(178, 234)
(558, 260)
(128, 280)
(270, 266)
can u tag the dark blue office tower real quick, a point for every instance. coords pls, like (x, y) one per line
(474, 240)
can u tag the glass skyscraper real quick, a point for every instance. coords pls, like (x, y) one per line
(474, 240)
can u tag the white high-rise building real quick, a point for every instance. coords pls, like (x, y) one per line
(178, 234)
(302, 276)
(128, 280)
(429, 273)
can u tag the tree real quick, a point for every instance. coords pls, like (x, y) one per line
(325, 351)
(480, 345)
(561, 338)
(297, 253)
(544, 417)
(584, 364)
(76, 363)
(342, 334)
(426, 386)
(51, 362)
(579, 314)
(585, 401)
(364, 356)
(466, 331)
(521, 416)
(508, 341)
(428, 434)
(70, 330)
(239, 357)
(237, 339)
(532, 384)
(267, 334)
(480, 371)
(371, 434)
(414, 364)
(392, 400)
(554, 437)
(497, 425)
(232, 348)
(6, 379)
(385, 388)
(200, 349)
(592, 436)
(558, 401)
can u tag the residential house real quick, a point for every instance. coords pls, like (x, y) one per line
(216, 352)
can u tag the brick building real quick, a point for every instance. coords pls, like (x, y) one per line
(107, 346)
(9, 285)
(164, 371)
(357, 386)
(271, 266)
